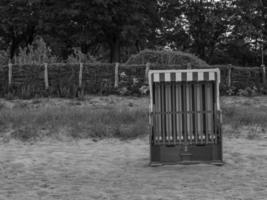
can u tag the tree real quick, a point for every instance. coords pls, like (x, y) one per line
(19, 19)
(110, 23)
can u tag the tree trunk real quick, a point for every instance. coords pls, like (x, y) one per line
(115, 50)
(12, 48)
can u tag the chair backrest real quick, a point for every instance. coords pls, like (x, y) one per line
(184, 106)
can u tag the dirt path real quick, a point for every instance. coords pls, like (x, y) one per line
(113, 169)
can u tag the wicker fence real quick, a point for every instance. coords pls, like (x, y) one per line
(72, 80)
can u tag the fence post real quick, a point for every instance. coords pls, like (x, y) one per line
(9, 74)
(229, 75)
(80, 75)
(263, 73)
(116, 84)
(146, 73)
(46, 76)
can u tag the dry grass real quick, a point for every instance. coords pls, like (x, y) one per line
(31, 120)
(76, 122)
(245, 116)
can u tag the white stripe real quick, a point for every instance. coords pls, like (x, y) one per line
(200, 76)
(211, 76)
(189, 76)
(178, 76)
(167, 77)
(185, 70)
(156, 77)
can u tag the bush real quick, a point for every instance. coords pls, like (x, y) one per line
(78, 57)
(37, 53)
(3, 58)
(168, 58)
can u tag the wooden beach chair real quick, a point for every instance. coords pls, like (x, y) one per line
(185, 116)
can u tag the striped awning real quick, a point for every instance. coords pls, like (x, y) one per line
(185, 75)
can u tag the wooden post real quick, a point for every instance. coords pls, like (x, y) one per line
(80, 75)
(116, 84)
(46, 76)
(263, 72)
(146, 73)
(229, 76)
(9, 74)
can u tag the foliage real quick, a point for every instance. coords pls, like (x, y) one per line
(36, 53)
(19, 21)
(129, 85)
(223, 31)
(3, 58)
(79, 57)
(248, 91)
(167, 57)
(89, 24)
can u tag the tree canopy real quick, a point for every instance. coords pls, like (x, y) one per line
(219, 32)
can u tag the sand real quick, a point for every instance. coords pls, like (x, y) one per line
(119, 170)
(114, 169)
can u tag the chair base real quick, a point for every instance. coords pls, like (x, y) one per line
(189, 154)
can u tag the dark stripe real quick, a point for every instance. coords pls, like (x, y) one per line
(206, 76)
(161, 77)
(204, 109)
(195, 76)
(174, 130)
(173, 77)
(216, 76)
(184, 76)
(152, 78)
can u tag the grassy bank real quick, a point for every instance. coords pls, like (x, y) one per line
(122, 118)
(74, 122)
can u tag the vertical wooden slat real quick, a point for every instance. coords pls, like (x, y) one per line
(168, 112)
(163, 116)
(209, 110)
(214, 98)
(204, 116)
(199, 109)
(189, 111)
(184, 109)
(173, 108)
(158, 111)
(194, 109)
(155, 115)
(178, 109)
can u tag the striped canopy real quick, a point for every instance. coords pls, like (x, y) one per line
(185, 75)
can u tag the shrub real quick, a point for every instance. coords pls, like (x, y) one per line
(3, 58)
(77, 57)
(37, 53)
(168, 58)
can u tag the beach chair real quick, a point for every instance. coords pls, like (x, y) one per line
(185, 116)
